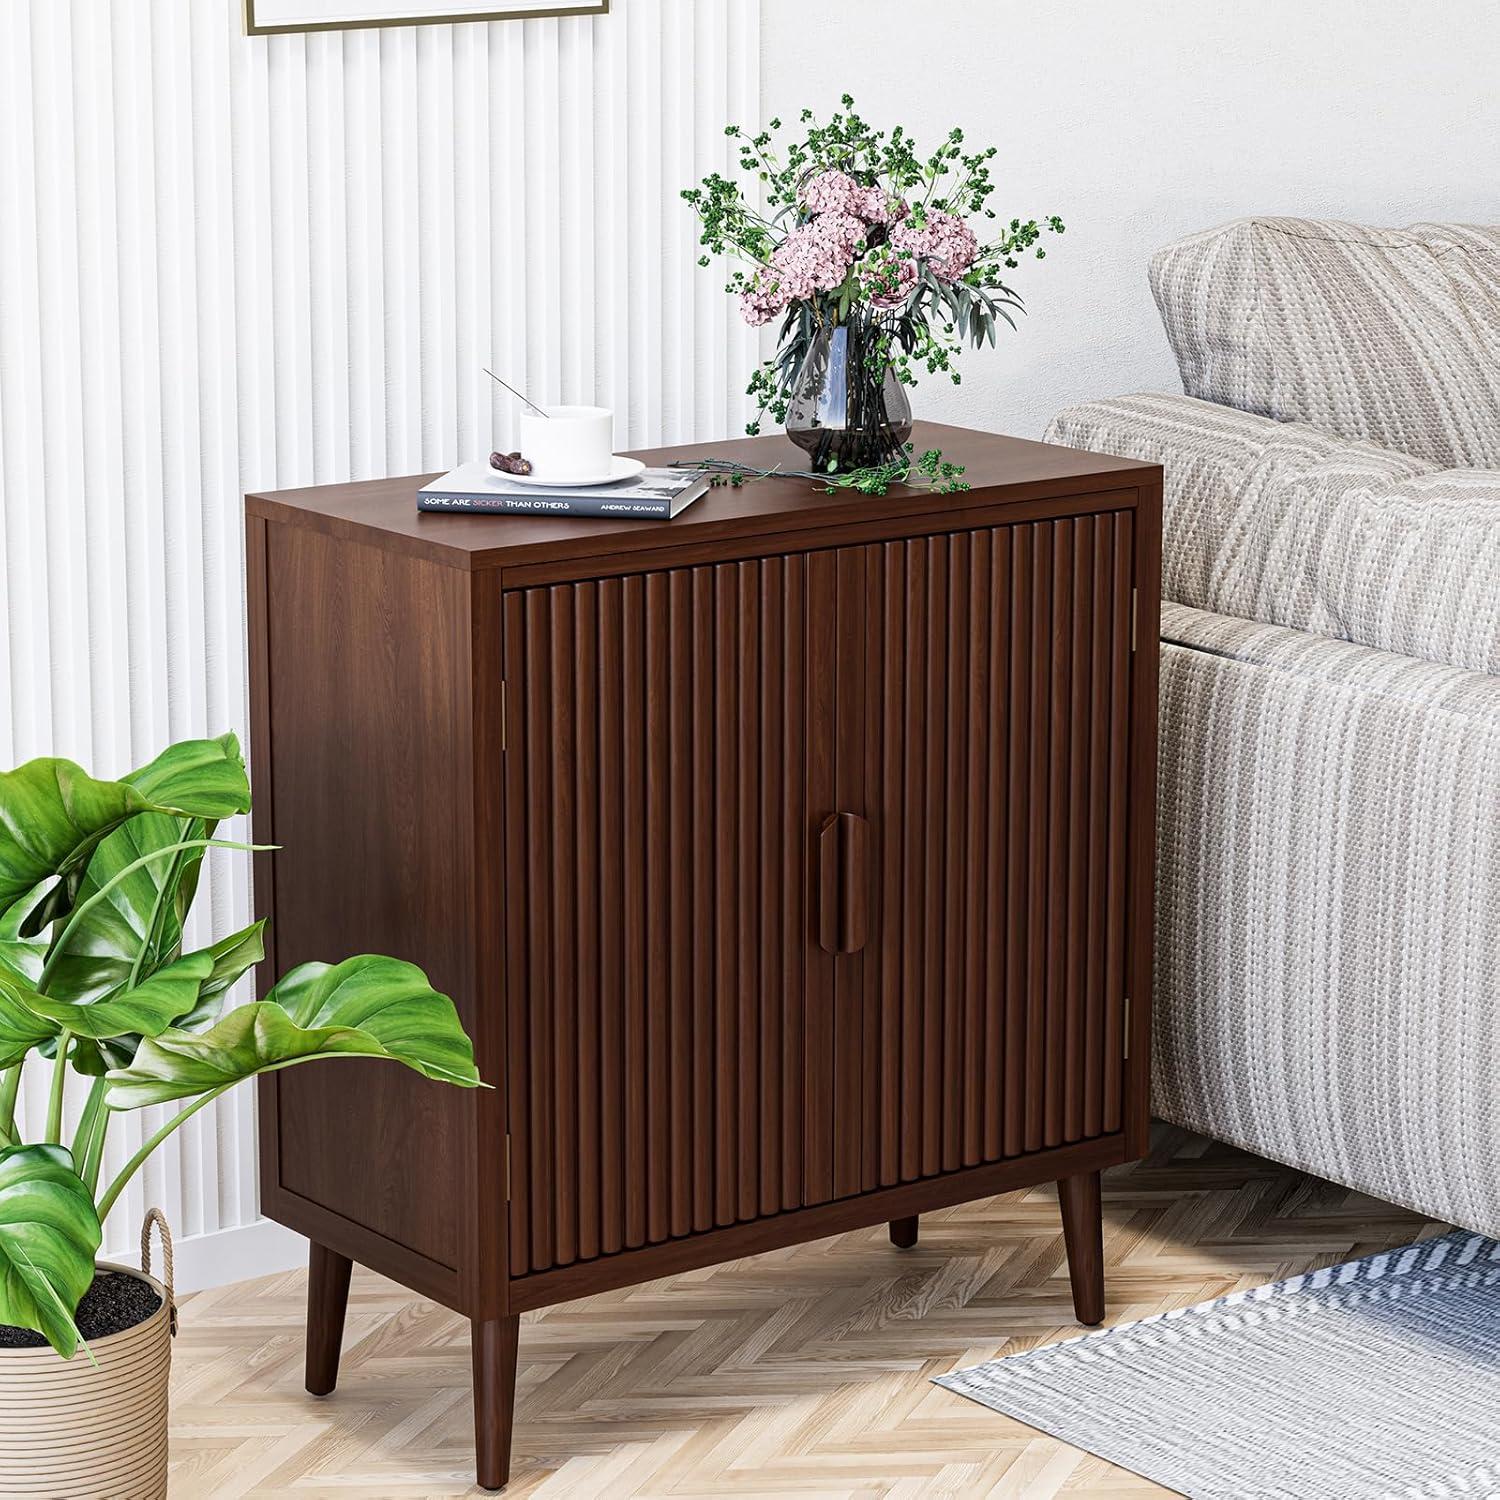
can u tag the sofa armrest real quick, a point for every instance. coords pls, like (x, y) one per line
(1160, 427)
(1328, 872)
(1433, 688)
(1278, 522)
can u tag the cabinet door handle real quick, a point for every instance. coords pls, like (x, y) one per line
(843, 883)
(828, 884)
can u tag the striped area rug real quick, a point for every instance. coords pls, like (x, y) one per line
(1378, 1379)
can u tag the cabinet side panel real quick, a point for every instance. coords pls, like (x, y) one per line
(368, 705)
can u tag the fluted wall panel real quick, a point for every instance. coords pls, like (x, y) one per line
(232, 263)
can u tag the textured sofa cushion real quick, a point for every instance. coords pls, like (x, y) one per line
(1391, 335)
(1282, 523)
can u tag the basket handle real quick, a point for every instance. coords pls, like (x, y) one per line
(159, 1219)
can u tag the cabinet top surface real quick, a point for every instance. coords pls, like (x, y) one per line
(383, 512)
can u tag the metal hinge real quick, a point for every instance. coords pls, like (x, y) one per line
(507, 1169)
(1134, 594)
(1127, 1033)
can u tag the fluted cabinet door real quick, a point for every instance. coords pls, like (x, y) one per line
(983, 1018)
(668, 738)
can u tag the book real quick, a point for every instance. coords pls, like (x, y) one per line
(476, 488)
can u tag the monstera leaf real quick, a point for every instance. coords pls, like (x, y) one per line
(185, 993)
(53, 814)
(28, 1019)
(108, 1031)
(147, 1009)
(205, 778)
(232, 956)
(49, 1235)
(138, 923)
(21, 959)
(21, 1028)
(367, 1006)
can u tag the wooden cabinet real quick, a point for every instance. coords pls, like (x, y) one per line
(790, 865)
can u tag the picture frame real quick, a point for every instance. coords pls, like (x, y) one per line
(277, 17)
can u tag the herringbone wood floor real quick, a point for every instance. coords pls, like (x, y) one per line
(803, 1372)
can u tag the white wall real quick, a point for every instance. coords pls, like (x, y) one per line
(232, 263)
(1141, 121)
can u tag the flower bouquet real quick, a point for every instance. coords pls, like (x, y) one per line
(865, 249)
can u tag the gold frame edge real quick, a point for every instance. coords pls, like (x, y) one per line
(596, 8)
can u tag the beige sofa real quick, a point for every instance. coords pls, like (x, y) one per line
(1328, 939)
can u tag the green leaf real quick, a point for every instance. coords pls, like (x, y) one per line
(368, 1006)
(53, 814)
(233, 956)
(204, 778)
(145, 1010)
(186, 993)
(21, 1028)
(230, 958)
(140, 917)
(49, 1236)
(21, 959)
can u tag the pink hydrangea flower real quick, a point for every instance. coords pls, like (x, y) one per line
(830, 192)
(761, 301)
(834, 192)
(816, 256)
(872, 205)
(843, 232)
(945, 242)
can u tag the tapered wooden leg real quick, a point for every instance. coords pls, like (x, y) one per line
(494, 1341)
(904, 1232)
(1083, 1234)
(327, 1301)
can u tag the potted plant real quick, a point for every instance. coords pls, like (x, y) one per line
(868, 250)
(96, 879)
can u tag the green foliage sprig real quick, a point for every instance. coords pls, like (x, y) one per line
(926, 471)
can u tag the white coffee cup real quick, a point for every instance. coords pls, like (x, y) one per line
(570, 442)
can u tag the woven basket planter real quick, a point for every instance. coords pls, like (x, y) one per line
(69, 1429)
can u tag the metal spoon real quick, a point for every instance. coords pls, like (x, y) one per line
(514, 392)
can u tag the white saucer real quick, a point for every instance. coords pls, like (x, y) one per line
(619, 469)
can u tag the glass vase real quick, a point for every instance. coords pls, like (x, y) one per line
(849, 410)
